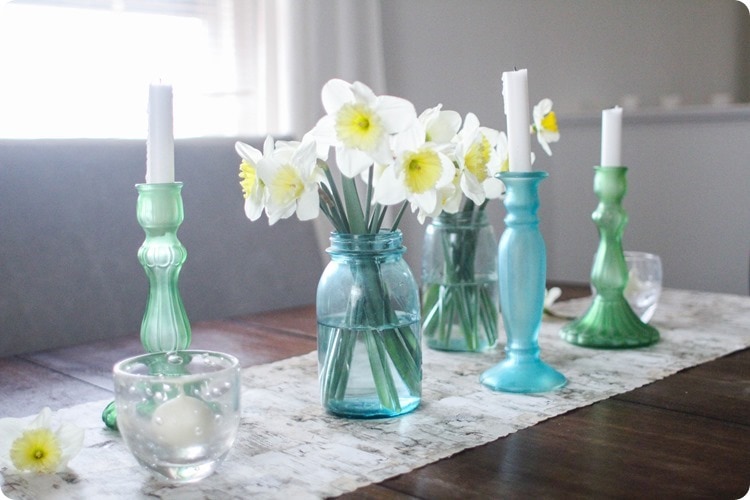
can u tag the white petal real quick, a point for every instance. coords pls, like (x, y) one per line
(398, 114)
(275, 213)
(542, 142)
(266, 168)
(447, 173)
(363, 93)
(409, 139)
(304, 157)
(493, 188)
(541, 109)
(42, 420)
(335, 94)
(247, 152)
(253, 209)
(268, 146)
(471, 123)
(389, 191)
(70, 438)
(444, 128)
(352, 162)
(308, 206)
(426, 201)
(10, 430)
(471, 188)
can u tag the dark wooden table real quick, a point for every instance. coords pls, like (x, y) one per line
(687, 436)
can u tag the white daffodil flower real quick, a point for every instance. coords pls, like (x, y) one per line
(478, 161)
(253, 188)
(440, 126)
(359, 125)
(418, 174)
(545, 125)
(449, 199)
(291, 177)
(35, 447)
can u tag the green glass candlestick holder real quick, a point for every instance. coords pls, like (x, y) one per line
(609, 321)
(165, 325)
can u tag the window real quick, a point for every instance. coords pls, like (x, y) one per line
(78, 68)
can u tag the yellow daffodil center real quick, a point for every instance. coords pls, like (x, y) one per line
(358, 127)
(36, 450)
(249, 177)
(286, 185)
(422, 171)
(549, 122)
(477, 157)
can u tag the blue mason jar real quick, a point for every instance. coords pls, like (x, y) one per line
(369, 352)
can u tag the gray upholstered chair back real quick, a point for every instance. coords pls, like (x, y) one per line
(69, 238)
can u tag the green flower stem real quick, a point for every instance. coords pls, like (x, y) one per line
(381, 373)
(355, 215)
(397, 346)
(458, 300)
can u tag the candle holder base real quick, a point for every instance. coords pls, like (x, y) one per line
(609, 323)
(522, 373)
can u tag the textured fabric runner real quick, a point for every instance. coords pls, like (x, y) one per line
(289, 448)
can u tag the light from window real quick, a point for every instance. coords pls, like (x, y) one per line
(84, 72)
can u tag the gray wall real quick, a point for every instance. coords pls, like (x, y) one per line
(687, 182)
(583, 54)
(687, 196)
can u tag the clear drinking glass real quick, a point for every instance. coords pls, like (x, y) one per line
(178, 412)
(644, 283)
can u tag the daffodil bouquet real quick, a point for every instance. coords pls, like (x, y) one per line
(459, 301)
(387, 156)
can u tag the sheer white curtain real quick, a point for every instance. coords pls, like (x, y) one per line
(317, 40)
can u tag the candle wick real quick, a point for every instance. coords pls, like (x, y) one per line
(515, 68)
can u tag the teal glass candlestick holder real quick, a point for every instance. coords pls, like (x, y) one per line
(165, 325)
(609, 321)
(522, 273)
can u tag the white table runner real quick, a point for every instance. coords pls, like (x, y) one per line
(289, 448)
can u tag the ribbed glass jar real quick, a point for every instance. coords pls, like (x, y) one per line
(459, 282)
(369, 353)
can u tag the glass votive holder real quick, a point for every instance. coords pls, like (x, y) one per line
(178, 412)
(644, 283)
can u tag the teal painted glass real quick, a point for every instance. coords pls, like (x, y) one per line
(522, 272)
(459, 282)
(165, 325)
(369, 353)
(610, 322)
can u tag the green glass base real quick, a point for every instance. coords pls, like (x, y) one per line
(109, 416)
(609, 323)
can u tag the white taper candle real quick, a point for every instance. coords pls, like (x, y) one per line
(160, 143)
(611, 137)
(516, 106)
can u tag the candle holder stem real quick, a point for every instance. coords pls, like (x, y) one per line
(165, 325)
(610, 322)
(522, 272)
